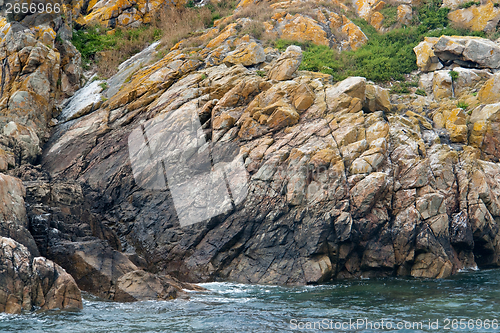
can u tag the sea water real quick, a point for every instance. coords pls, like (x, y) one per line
(469, 299)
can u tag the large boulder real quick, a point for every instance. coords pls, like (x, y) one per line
(352, 88)
(440, 85)
(471, 51)
(377, 98)
(112, 275)
(28, 283)
(330, 28)
(140, 285)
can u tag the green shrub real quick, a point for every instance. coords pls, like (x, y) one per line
(261, 73)
(385, 56)
(432, 16)
(421, 92)
(454, 75)
(462, 105)
(390, 16)
(400, 88)
(92, 40)
(469, 4)
(103, 85)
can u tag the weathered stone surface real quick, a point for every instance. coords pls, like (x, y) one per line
(130, 14)
(427, 61)
(110, 274)
(365, 191)
(321, 180)
(405, 14)
(287, 64)
(36, 72)
(439, 84)
(329, 28)
(442, 84)
(246, 55)
(140, 285)
(377, 98)
(28, 282)
(484, 17)
(485, 122)
(490, 91)
(474, 51)
(13, 218)
(353, 87)
(456, 125)
(303, 29)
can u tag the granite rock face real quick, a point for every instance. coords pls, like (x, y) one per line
(37, 72)
(227, 162)
(338, 181)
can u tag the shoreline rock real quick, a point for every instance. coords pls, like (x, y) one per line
(28, 282)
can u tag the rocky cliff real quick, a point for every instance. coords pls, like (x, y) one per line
(226, 161)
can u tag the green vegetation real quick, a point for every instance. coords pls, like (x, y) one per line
(462, 105)
(469, 4)
(403, 87)
(103, 85)
(454, 75)
(203, 76)
(255, 29)
(421, 92)
(115, 46)
(261, 73)
(385, 56)
(92, 40)
(390, 16)
(108, 48)
(431, 16)
(220, 10)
